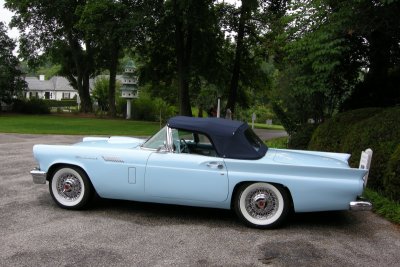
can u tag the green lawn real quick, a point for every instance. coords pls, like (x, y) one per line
(266, 126)
(74, 125)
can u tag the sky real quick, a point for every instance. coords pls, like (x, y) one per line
(5, 16)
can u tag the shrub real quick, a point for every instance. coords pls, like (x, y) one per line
(354, 131)
(302, 136)
(31, 106)
(149, 109)
(392, 176)
(381, 133)
(61, 103)
(279, 142)
(330, 135)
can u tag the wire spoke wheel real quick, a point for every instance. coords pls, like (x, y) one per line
(70, 188)
(261, 205)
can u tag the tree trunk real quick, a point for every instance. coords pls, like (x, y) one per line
(183, 46)
(232, 98)
(83, 63)
(112, 82)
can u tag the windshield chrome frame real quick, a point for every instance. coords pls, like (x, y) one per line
(169, 140)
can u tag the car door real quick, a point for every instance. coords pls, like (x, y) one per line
(186, 176)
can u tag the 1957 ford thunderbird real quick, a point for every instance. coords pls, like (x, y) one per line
(207, 162)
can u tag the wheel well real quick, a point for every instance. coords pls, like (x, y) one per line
(238, 185)
(57, 166)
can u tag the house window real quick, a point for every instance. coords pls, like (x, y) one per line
(47, 95)
(66, 96)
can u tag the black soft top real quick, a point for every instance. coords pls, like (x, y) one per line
(231, 139)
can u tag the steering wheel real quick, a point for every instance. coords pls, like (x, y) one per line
(184, 146)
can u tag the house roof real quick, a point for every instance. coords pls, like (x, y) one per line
(35, 84)
(56, 83)
(59, 83)
(231, 139)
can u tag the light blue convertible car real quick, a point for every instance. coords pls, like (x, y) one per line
(206, 162)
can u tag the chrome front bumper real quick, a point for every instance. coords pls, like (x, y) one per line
(39, 177)
(360, 205)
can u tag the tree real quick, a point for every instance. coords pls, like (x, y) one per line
(120, 21)
(11, 81)
(184, 44)
(248, 6)
(376, 23)
(339, 55)
(49, 28)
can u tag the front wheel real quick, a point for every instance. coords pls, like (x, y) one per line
(262, 205)
(70, 188)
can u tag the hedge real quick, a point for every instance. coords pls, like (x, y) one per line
(30, 106)
(330, 135)
(391, 180)
(61, 103)
(354, 131)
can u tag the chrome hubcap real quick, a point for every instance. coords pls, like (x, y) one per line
(69, 187)
(261, 203)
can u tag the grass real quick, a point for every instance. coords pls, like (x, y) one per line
(280, 142)
(74, 125)
(267, 127)
(383, 206)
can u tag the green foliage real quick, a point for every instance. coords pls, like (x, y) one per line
(48, 70)
(31, 106)
(150, 109)
(280, 142)
(61, 103)
(11, 82)
(392, 176)
(384, 206)
(381, 133)
(302, 136)
(330, 135)
(287, 122)
(263, 113)
(100, 92)
(55, 34)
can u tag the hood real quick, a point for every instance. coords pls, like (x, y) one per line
(310, 158)
(111, 142)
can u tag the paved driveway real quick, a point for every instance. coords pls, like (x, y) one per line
(35, 232)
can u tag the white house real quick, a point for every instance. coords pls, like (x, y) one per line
(56, 88)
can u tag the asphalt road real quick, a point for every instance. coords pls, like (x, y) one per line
(35, 232)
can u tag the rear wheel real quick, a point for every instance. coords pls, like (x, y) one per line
(262, 205)
(70, 188)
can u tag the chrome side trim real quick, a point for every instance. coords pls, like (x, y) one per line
(113, 159)
(38, 176)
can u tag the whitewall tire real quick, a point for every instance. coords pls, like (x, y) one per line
(70, 188)
(262, 205)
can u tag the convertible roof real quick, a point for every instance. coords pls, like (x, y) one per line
(228, 136)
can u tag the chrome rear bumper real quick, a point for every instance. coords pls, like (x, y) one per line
(39, 177)
(360, 205)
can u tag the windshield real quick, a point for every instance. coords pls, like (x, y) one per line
(158, 140)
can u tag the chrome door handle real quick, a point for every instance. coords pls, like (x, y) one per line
(215, 165)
